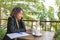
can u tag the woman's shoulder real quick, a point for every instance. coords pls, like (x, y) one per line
(11, 18)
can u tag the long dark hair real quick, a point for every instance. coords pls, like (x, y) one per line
(15, 11)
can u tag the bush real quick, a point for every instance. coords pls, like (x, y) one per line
(2, 32)
(57, 35)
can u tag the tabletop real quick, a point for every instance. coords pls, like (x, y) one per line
(46, 35)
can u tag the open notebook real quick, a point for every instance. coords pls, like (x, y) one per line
(16, 35)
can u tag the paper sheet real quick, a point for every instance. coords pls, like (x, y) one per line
(16, 35)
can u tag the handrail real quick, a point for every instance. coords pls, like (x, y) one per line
(35, 20)
(40, 22)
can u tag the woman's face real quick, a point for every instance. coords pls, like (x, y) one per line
(20, 15)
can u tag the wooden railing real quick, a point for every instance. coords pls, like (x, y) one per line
(57, 22)
(32, 21)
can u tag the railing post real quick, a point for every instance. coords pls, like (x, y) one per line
(45, 25)
(50, 25)
(56, 26)
(0, 15)
(32, 25)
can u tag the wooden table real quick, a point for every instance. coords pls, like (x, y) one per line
(46, 35)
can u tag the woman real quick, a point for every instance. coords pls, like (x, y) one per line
(15, 23)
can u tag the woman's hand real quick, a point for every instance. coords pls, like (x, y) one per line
(28, 28)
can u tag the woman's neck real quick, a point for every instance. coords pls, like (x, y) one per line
(16, 19)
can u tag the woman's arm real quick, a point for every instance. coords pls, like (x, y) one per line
(23, 29)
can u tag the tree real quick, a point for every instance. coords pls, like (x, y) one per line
(58, 4)
(51, 13)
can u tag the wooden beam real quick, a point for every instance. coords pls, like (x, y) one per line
(0, 16)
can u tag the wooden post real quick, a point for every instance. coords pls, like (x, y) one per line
(50, 25)
(0, 16)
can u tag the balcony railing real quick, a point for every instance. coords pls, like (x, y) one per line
(51, 24)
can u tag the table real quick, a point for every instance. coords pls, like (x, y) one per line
(46, 35)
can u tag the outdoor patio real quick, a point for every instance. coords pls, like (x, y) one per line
(42, 13)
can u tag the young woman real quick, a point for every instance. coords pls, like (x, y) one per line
(15, 23)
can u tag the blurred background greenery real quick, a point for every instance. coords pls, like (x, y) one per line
(46, 10)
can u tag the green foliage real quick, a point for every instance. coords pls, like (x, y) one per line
(39, 9)
(51, 13)
(58, 2)
(2, 32)
(57, 35)
(59, 14)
